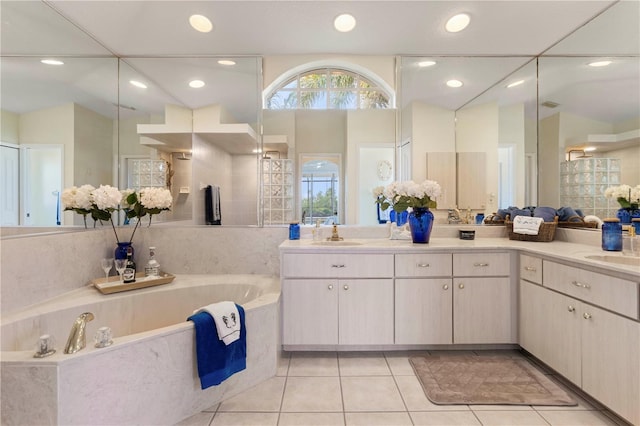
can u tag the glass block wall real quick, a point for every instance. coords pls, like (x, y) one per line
(583, 182)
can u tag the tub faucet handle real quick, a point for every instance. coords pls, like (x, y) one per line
(77, 337)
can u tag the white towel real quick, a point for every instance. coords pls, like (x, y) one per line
(527, 225)
(227, 320)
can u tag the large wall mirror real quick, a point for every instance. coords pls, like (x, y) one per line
(589, 111)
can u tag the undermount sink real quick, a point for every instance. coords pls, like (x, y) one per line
(337, 243)
(632, 261)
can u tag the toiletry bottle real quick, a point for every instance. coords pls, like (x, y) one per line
(152, 269)
(611, 235)
(317, 231)
(294, 231)
(129, 274)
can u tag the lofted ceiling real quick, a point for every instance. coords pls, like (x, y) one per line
(153, 31)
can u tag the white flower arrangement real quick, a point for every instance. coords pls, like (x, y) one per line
(627, 196)
(101, 202)
(402, 195)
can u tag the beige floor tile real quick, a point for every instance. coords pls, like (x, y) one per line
(363, 364)
(313, 364)
(245, 419)
(283, 364)
(311, 419)
(415, 398)
(510, 418)
(576, 418)
(200, 419)
(212, 409)
(264, 397)
(378, 419)
(371, 393)
(399, 362)
(444, 418)
(312, 394)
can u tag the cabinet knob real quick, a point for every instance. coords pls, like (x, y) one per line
(530, 268)
(481, 265)
(460, 286)
(423, 265)
(346, 287)
(445, 287)
(586, 315)
(330, 286)
(579, 284)
(571, 308)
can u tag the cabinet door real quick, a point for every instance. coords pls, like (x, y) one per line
(423, 311)
(482, 310)
(550, 329)
(611, 361)
(310, 312)
(365, 312)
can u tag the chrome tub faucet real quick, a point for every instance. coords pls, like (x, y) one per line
(77, 338)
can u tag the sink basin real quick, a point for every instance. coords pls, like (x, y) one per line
(632, 261)
(337, 243)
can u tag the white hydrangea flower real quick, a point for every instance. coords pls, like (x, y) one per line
(84, 197)
(69, 198)
(156, 198)
(124, 194)
(106, 197)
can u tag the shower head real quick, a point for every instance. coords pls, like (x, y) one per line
(183, 156)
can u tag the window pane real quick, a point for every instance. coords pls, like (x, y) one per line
(364, 84)
(313, 99)
(373, 99)
(343, 99)
(313, 80)
(342, 80)
(293, 84)
(283, 99)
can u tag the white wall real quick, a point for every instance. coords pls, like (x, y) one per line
(244, 191)
(9, 127)
(92, 147)
(512, 133)
(366, 129)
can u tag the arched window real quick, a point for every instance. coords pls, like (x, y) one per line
(328, 88)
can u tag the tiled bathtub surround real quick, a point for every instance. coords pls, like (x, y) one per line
(148, 375)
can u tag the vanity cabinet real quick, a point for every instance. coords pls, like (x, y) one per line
(337, 299)
(482, 298)
(423, 299)
(590, 337)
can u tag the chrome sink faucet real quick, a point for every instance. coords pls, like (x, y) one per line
(77, 338)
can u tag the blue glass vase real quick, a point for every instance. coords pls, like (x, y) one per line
(624, 215)
(420, 222)
(123, 250)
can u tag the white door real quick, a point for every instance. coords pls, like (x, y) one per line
(9, 185)
(42, 168)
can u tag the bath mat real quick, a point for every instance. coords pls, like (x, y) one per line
(473, 379)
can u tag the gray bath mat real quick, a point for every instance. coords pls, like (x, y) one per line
(472, 379)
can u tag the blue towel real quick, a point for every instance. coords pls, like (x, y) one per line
(217, 361)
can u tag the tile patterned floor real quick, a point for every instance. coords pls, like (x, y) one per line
(328, 388)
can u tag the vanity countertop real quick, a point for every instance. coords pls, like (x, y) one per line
(555, 250)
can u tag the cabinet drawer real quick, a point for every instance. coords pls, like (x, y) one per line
(337, 265)
(611, 293)
(480, 264)
(531, 268)
(423, 265)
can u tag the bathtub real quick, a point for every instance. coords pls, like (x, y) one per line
(149, 374)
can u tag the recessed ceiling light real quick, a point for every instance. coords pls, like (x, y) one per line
(227, 62)
(138, 84)
(200, 23)
(599, 63)
(589, 149)
(423, 64)
(52, 62)
(196, 84)
(515, 83)
(344, 23)
(454, 83)
(256, 151)
(457, 23)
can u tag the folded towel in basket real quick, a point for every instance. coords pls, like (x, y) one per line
(527, 225)
(216, 360)
(225, 315)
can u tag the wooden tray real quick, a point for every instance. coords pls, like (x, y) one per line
(113, 285)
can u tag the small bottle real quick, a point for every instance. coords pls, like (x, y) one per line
(294, 231)
(317, 231)
(611, 235)
(152, 269)
(129, 274)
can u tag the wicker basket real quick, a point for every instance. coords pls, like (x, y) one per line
(577, 222)
(546, 232)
